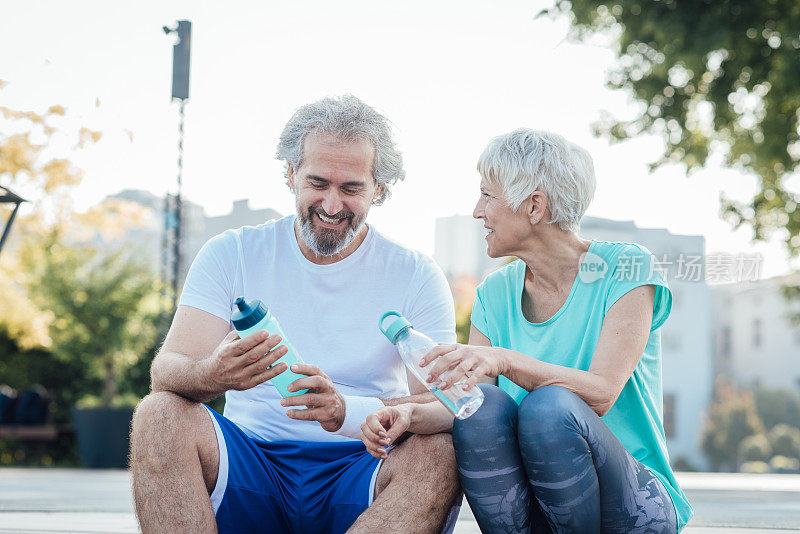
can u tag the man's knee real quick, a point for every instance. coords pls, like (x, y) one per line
(162, 411)
(163, 419)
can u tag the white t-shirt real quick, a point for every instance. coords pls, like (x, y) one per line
(330, 314)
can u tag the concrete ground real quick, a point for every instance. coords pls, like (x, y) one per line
(86, 501)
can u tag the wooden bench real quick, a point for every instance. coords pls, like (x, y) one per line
(39, 434)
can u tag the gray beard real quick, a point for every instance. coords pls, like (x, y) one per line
(326, 242)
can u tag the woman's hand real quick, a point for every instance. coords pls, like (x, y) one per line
(470, 362)
(382, 427)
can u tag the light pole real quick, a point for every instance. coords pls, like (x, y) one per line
(173, 207)
(9, 197)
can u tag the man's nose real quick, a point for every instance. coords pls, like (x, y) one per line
(332, 203)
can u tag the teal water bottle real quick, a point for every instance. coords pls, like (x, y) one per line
(412, 346)
(254, 316)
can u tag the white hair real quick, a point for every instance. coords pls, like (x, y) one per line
(346, 118)
(526, 160)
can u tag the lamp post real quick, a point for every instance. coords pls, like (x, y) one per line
(173, 212)
(9, 197)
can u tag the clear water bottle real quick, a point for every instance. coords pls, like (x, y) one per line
(253, 316)
(412, 346)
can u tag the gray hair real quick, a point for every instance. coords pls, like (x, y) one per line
(526, 160)
(347, 118)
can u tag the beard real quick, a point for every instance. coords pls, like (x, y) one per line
(328, 241)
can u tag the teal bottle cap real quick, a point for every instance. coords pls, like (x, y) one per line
(248, 314)
(395, 328)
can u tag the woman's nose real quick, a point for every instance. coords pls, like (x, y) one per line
(477, 212)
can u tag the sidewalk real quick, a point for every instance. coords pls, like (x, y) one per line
(86, 501)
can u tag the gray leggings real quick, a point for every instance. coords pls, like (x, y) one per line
(552, 465)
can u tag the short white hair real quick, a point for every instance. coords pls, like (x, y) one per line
(526, 160)
(346, 118)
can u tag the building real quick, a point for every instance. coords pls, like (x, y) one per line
(460, 248)
(197, 226)
(757, 339)
(688, 370)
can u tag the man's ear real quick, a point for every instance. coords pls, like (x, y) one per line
(290, 176)
(378, 191)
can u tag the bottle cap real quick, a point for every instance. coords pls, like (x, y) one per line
(248, 314)
(395, 328)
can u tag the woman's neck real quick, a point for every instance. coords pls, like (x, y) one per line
(553, 259)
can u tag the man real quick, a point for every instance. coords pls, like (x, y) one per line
(296, 464)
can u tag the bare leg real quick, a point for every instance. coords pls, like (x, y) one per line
(174, 463)
(415, 489)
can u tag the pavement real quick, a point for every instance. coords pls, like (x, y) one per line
(42, 500)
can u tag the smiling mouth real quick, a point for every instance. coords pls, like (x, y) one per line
(330, 221)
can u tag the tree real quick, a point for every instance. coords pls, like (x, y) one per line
(710, 76)
(104, 306)
(69, 286)
(732, 418)
(785, 440)
(775, 406)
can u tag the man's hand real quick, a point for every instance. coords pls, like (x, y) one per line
(324, 404)
(245, 363)
(382, 428)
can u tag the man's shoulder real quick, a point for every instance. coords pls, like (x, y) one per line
(402, 257)
(250, 235)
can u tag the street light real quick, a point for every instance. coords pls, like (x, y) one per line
(9, 198)
(173, 204)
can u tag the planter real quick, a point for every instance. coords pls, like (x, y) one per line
(103, 436)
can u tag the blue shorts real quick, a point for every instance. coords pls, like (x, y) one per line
(289, 486)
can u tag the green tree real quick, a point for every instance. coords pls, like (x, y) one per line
(732, 418)
(68, 287)
(710, 76)
(755, 448)
(785, 440)
(104, 306)
(775, 406)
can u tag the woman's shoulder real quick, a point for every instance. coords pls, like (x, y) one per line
(616, 253)
(503, 277)
(612, 249)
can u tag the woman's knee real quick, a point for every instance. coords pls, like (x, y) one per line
(497, 413)
(549, 409)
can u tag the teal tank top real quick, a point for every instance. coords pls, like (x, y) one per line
(568, 338)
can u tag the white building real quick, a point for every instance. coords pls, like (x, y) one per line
(460, 249)
(756, 339)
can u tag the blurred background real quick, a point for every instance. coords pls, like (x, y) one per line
(690, 110)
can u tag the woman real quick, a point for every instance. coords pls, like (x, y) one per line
(570, 436)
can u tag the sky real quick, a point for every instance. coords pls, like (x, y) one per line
(449, 74)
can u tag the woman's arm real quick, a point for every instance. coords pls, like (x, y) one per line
(623, 338)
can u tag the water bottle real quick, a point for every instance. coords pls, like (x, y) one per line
(412, 346)
(254, 316)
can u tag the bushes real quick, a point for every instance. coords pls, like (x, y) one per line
(736, 438)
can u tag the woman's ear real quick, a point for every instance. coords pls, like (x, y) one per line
(536, 206)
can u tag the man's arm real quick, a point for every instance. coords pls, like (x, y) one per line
(201, 358)
(419, 393)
